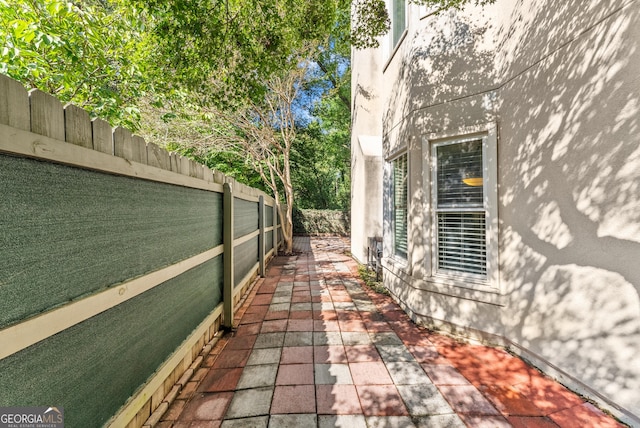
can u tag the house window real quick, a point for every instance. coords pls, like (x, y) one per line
(398, 20)
(460, 210)
(399, 167)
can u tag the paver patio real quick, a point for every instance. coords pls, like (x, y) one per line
(314, 347)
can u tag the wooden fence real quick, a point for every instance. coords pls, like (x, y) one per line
(120, 261)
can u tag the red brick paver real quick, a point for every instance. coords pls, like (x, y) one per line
(335, 361)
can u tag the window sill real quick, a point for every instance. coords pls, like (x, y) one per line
(470, 282)
(479, 291)
(395, 263)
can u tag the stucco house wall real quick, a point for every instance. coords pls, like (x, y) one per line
(556, 85)
(366, 152)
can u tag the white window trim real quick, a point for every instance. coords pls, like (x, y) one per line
(389, 48)
(488, 134)
(394, 256)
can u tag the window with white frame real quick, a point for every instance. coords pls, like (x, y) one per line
(399, 171)
(398, 15)
(461, 207)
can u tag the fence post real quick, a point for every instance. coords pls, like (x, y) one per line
(261, 235)
(227, 238)
(275, 228)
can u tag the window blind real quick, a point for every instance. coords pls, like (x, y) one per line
(462, 242)
(459, 174)
(461, 230)
(400, 205)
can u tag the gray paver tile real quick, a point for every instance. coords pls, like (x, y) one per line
(386, 339)
(264, 356)
(327, 338)
(439, 421)
(351, 338)
(298, 338)
(323, 306)
(389, 422)
(277, 307)
(293, 421)
(269, 340)
(250, 402)
(344, 306)
(258, 376)
(256, 422)
(333, 374)
(301, 307)
(341, 421)
(393, 353)
(407, 373)
(424, 400)
(365, 306)
(284, 286)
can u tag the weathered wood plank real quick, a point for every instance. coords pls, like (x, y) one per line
(77, 126)
(195, 169)
(158, 157)
(122, 138)
(208, 174)
(139, 149)
(129, 146)
(218, 177)
(185, 166)
(47, 115)
(174, 160)
(102, 136)
(14, 104)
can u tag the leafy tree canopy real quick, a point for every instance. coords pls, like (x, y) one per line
(91, 54)
(371, 18)
(225, 49)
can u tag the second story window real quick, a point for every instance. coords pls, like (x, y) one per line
(398, 14)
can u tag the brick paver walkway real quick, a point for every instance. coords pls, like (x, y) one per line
(314, 347)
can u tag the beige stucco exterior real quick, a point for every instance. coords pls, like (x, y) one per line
(366, 152)
(559, 85)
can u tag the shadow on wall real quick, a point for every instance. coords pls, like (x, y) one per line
(570, 199)
(447, 82)
(567, 102)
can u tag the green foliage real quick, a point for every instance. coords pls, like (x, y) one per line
(320, 168)
(369, 277)
(230, 163)
(226, 49)
(372, 21)
(88, 54)
(321, 222)
(372, 18)
(321, 155)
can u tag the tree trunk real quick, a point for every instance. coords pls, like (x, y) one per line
(287, 224)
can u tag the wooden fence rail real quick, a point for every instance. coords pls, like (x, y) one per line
(120, 261)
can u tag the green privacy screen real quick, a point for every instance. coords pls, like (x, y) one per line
(245, 217)
(67, 232)
(245, 257)
(92, 368)
(268, 242)
(268, 216)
